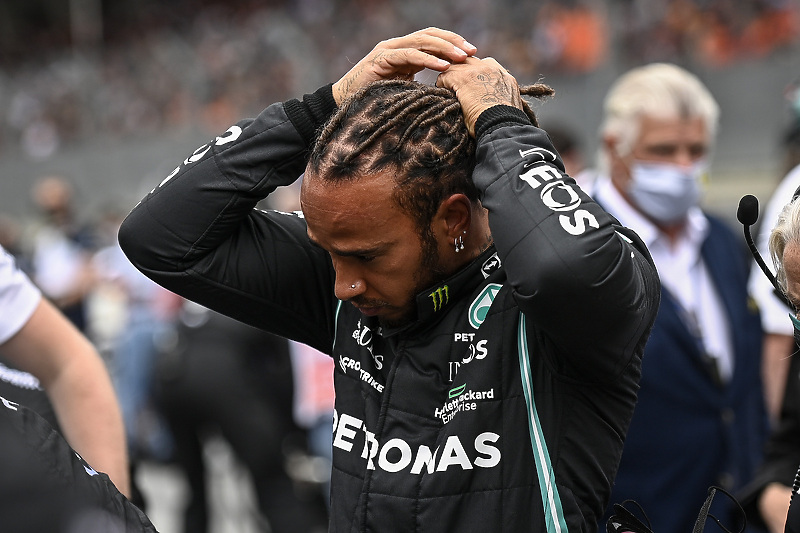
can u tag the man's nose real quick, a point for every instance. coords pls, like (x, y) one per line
(348, 283)
(685, 158)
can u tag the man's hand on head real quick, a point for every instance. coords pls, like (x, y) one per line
(480, 84)
(403, 57)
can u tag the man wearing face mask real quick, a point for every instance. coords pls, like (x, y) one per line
(700, 418)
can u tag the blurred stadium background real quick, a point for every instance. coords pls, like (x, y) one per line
(115, 93)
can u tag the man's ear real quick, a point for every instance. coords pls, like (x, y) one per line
(610, 146)
(453, 217)
(618, 168)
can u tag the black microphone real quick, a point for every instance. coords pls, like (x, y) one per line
(747, 213)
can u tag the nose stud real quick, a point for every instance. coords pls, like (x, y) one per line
(353, 286)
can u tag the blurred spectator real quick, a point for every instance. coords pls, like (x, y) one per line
(222, 376)
(569, 37)
(131, 316)
(711, 33)
(313, 408)
(62, 249)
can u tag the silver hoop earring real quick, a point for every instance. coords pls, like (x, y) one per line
(459, 243)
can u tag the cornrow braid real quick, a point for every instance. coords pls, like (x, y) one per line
(414, 130)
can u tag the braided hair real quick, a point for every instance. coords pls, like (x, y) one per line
(414, 130)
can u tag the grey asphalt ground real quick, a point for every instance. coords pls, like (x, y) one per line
(231, 497)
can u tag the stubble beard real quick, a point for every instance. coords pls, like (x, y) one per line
(430, 273)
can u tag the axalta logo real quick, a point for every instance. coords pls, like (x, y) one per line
(440, 297)
(398, 455)
(479, 307)
(460, 400)
(555, 194)
(348, 363)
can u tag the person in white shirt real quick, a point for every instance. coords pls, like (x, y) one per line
(35, 337)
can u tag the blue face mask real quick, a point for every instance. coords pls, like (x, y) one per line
(663, 191)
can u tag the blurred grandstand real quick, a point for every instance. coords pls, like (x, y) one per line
(115, 93)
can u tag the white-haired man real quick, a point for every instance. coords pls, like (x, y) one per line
(700, 418)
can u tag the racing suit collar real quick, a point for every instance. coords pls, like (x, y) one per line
(433, 303)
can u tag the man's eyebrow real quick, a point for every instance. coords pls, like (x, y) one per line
(347, 253)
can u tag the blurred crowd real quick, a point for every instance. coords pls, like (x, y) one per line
(206, 68)
(205, 64)
(183, 374)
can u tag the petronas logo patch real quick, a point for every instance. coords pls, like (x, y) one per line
(480, 306)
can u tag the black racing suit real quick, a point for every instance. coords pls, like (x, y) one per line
(504, 406)
(46, 486)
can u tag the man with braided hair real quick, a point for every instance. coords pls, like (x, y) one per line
(486, 317)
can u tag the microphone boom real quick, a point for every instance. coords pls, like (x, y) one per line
(747, 214)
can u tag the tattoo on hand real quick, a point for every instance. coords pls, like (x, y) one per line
(350, 81)
(379, 59)
(497, 90)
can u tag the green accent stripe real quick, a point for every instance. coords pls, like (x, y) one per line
(457, 390)
(551, 501)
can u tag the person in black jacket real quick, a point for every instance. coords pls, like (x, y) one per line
(487, 318)
(47, 486)
(222, 377)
